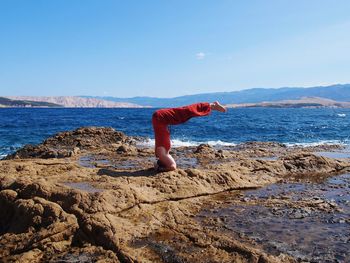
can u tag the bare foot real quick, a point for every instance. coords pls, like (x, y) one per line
(217, 106)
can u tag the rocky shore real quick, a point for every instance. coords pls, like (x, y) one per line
(91, 195)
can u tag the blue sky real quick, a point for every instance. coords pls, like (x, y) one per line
(170, 48)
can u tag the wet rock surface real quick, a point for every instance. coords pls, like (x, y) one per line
(309, 221)
(104, 202)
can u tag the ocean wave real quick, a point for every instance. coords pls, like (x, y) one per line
(320, 143)
(6, 150)
(4, 154)
(220, 143)
(341, 115)
(179, 143)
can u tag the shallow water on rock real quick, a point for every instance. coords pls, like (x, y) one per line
(83, 186)
(270, 158)
(86, 161)
(309, 221)
(335, 154)
(76, 258)
(91, 161)
(185, 163)
(165, 252)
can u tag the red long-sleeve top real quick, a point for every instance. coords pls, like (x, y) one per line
(174, 116)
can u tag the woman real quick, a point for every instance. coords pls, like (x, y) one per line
(162, 118)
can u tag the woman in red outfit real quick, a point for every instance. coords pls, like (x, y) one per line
(161, 119)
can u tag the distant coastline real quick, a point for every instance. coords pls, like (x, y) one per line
(312, 102)
(336, 93)
(334, 96)
(14, 103)
(36, 103)
(62, 101)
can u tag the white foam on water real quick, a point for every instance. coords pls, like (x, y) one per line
(180, 143)
(146, 143)
(6, 150)
(311, 144)
(341, 115)
(221, 143)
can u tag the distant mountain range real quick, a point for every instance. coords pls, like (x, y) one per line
(325, 96)
(76, 102)
(305, 102)
(6, 102)
(335, 92)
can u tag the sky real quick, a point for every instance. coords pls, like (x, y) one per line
(170, 48)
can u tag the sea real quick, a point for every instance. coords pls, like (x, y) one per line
(300, 126)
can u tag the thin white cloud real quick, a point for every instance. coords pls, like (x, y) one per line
(200, 55)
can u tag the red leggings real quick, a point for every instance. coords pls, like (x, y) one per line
(161, 133)
(161, 119)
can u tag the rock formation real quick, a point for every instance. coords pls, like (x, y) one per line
(91, 194)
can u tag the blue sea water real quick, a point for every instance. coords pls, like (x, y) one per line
(20, 126)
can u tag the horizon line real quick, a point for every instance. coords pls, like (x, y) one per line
(222, 92)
